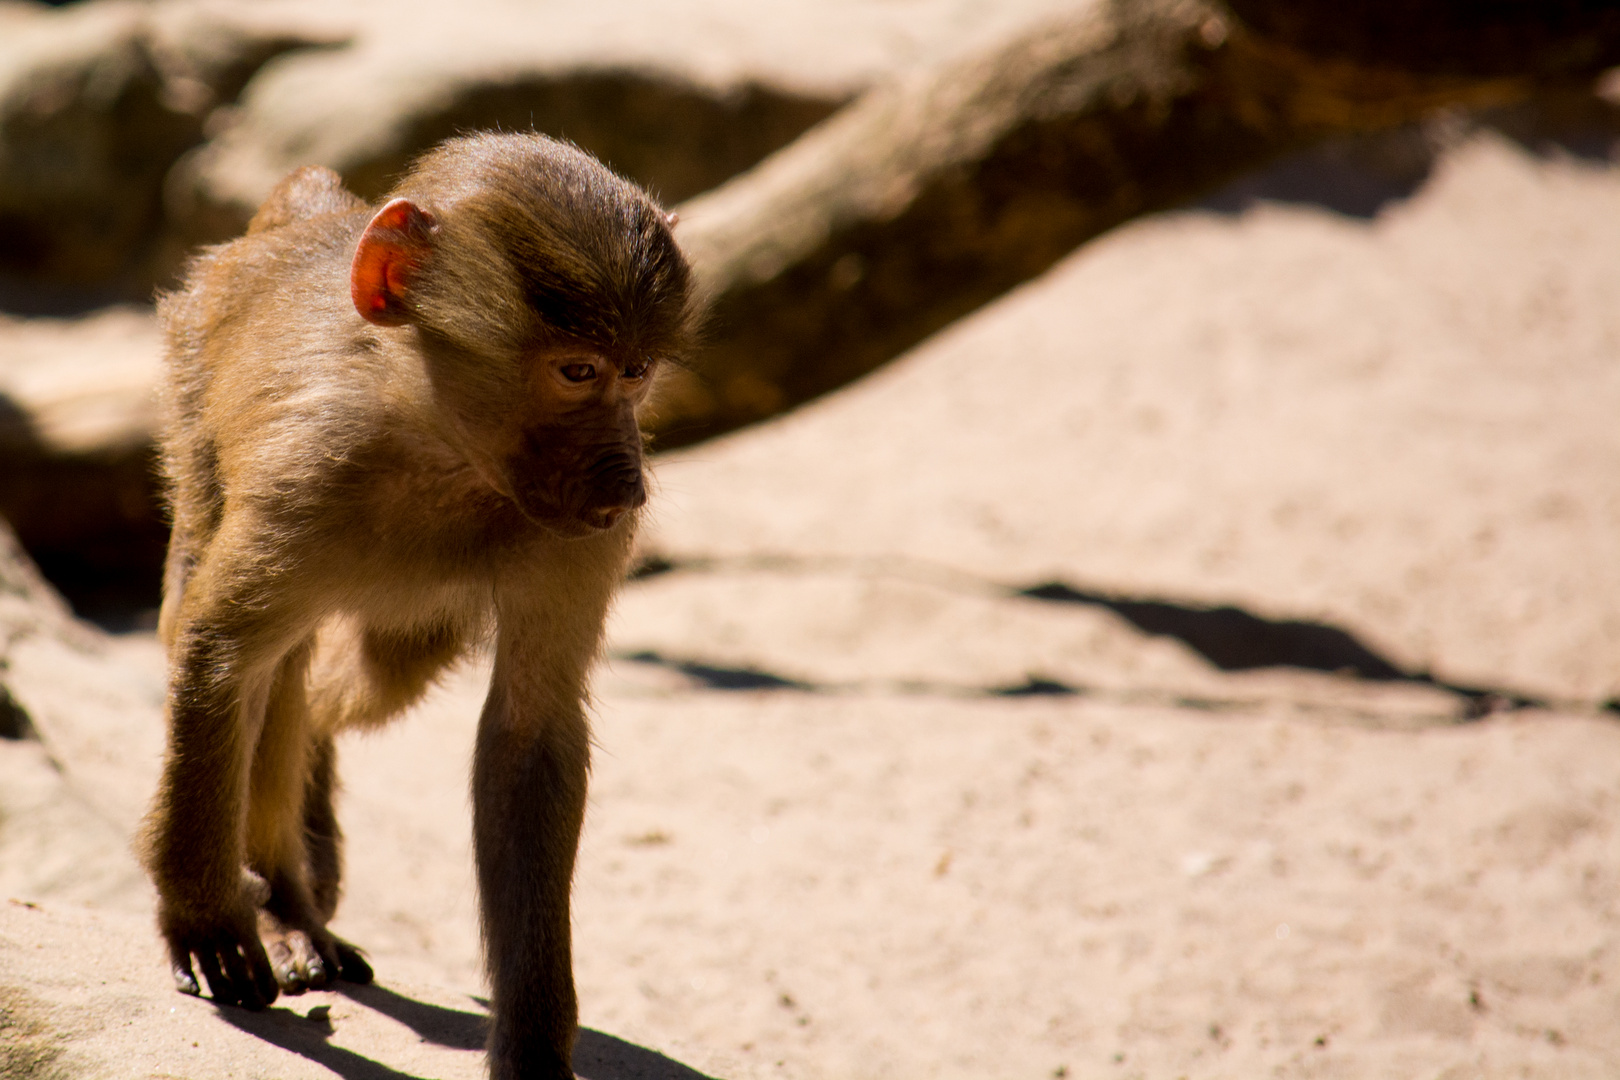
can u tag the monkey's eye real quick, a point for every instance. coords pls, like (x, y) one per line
(636, 369)
(579, 372)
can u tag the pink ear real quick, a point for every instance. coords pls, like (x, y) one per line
(393, 247)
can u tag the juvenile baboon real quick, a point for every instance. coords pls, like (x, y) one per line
(390, 432)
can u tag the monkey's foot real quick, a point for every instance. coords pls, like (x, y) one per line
(303, 959)
(232, 960)
(310, 958)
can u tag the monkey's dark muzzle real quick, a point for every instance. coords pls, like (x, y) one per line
(577, 486)
(612, 486)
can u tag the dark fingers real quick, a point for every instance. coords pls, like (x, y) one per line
(249, 980)
(185, 980)
(264, 977)
(219, 987)
(352, 963)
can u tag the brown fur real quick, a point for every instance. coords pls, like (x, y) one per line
(356, 500)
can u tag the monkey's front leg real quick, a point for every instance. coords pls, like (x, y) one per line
(529, 776)
(207, 900)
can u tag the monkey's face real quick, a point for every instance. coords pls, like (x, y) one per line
(573, 463)
(552, 427)
(538, 297)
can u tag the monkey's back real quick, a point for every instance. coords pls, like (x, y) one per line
(261, 379)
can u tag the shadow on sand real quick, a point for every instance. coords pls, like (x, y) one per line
(1236, 640)
(1228, 638)
(597, 1055)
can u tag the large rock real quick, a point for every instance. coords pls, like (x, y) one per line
(80, 738)
(678, 102)
(97, 101)
(78, 413)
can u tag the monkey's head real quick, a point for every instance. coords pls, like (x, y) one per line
(543, 294)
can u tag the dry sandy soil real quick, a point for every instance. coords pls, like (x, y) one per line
(864, 806)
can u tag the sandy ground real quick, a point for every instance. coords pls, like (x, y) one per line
(873, 857)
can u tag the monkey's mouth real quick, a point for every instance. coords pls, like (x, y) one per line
(570, 524)
(570, 519)
(578, 526)
(567, 528)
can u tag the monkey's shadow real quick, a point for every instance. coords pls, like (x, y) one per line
(597, 1055)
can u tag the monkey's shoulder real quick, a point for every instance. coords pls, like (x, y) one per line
(310, 192)
(280, 291)
(291, 246)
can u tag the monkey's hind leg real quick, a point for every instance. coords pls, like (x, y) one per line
(303, 954)
(359, 677)
(323, 842)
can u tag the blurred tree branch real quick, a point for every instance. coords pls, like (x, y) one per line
(927, 198)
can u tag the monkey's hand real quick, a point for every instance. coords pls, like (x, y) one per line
(226, 946)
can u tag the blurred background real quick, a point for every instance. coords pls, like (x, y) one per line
(1138, 549)
(130, 133)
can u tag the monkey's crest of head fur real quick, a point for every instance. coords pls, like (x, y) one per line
(554, 245)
